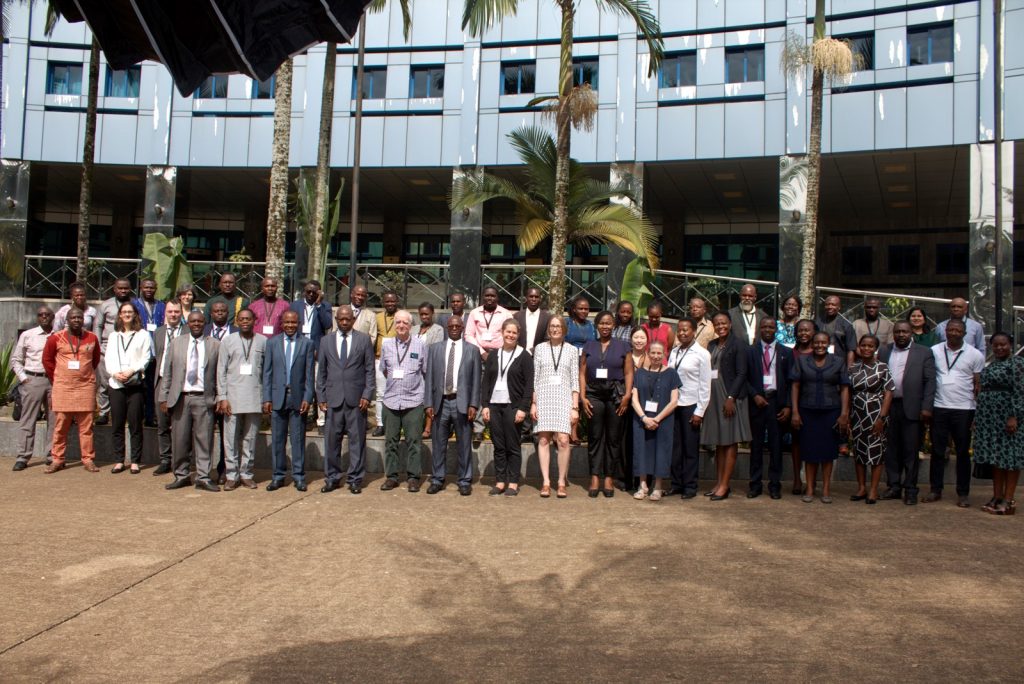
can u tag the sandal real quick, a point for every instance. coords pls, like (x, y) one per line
(545, 491)
(119, 468)
(990, 506)
(134, 469)
(561, 492)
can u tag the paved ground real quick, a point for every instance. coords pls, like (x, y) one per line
(114, 579)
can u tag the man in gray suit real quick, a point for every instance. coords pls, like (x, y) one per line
(913, 370)
(239, 390)
(452, 398)
(345, 384)
(189, 393)
(162, 338)
(746, 317)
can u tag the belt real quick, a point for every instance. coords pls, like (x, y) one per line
(769, 395)
(451, 397)
(193, 394)
(35, 374)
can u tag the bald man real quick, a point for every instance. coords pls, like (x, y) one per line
(958, 312)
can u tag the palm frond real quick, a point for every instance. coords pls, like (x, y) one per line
(470, 190)
(480, 15)
(646, 24)
(619, 224)
(533, 232)
(52, 17)
(377, 6)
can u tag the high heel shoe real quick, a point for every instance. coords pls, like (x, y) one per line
(722, 497)
(1008, 507)
(608, 493)
(990, 506)
(592, 493)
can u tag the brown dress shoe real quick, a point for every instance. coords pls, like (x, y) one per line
(230, 485)
(248, 484)
(54, 467)
(90, 466)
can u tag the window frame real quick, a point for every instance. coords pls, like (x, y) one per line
(890, 260)
(927, 31)
(254, 88)
(671, 57)
(370, 71)
(108, 80)
(578, 63)
(951, 253)
(869, 64)
(55, 64)
(745, 50)
(428, 68)
(532, 63)
(846, 265)
(214, 80)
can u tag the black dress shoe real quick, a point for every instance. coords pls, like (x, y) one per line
(178, 484)
(19, 465)
(330, 486)
(355, 488)
(754, 493)
(377, 432)
(608, 493)
(162, 469)
(207, 486)
(710, 492)
(593, 493)
(933, 497)
(689, 495)
(510, 491)
(465, 490)
(890, 494)
(496, 491)
(301, 485)
(673, 491)
(910, 500)
(858, 497)
(274, 485)
(414, 486)
(775, 493)
(388, 485)
(435, 487)
(723, 497)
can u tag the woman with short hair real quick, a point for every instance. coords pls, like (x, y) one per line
(129, 350)
(727, 419)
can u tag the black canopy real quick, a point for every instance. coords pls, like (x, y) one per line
(196, 38)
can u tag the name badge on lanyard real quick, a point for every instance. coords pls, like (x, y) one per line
(74, 365)
(245, 369)
(151, 327)
(398, 374)
(307, 328)
(601, 373)
(268, 330)
(651, 406)
(555, 380)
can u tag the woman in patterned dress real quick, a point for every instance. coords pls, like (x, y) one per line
(997, 439)
(785, 332)
(556, 397)
(871, 388)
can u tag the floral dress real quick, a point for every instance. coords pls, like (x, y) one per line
(868, 385)
(1002, 396)
(785, 333)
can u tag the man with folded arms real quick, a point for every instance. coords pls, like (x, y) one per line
(34, 386)
(239, 390)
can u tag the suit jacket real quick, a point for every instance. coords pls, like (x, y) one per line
(918, 379)
(160, 346)
(442, 320)
(277, 377)
(732, 365)
(208, 330)
(176, 366)
(344, 384)
(542, 328)
(739, 325)
(320, 324)
(518, 377)
(467, 385)
(783, 367)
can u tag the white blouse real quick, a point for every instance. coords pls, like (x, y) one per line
(130, 350)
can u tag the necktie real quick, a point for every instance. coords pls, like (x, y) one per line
(220, 333)
(449, 373)
(767, 359)
(344, 346)
(193, 364)
(288, 351)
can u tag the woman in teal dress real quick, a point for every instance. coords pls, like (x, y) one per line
(997, 440)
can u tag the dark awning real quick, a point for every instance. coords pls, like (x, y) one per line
(196, 38)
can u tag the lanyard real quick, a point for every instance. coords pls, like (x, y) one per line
(561, 348)
(771, 359)
(487, 321)
(681, 357)
(310, 308)
(749, 318)
(656, 386)
(878, 324)
(949, 366)
(124, 345)
(504, 369)
(74, 350)
(401, 357)
(246, 350)
(604, 350)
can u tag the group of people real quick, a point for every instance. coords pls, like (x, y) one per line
(647, 394)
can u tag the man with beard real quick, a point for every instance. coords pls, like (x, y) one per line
(873, 324)
(746, 318)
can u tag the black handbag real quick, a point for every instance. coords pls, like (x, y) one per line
(982, 471)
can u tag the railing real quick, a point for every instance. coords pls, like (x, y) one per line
(513, 282)
(414, 284)
(50, 277)
(1018, 329)
(675, 289)
(894, 305)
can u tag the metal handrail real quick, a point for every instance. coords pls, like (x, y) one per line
(705, 276)
(887, 295)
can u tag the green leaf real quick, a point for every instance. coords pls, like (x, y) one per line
(635, 283)
(166, 264)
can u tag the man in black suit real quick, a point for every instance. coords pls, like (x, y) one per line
(458, 304)
(345, 384)
(913, 370)
(162, 338)
(452, 397)
(533, 321)
(314, 313)
(219, 326)
(768, 367)
(746, 318)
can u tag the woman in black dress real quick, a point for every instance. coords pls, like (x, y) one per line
(727, 420)
(506, 397)
(606, 380)
(805, 329)
(821, 412)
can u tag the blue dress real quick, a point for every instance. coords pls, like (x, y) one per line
(820, 404)
(652, 449)
(578, 335)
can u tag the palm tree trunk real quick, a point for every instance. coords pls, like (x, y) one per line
(556, 286)
(357, 150)
(88, 156)
(317, 248)
(277, 219)
(809, 264)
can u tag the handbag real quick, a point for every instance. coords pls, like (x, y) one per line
(982, 471)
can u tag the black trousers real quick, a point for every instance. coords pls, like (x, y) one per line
(901, 458)
(149, 382)
(685, 450)
(508, 450)
(762, 421)
(955, 423)
(127, 406)
(604, 431)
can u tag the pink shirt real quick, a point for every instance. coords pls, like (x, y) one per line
(268, 316)
(483, 328)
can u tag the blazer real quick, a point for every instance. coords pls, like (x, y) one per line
(320, 324)
(344, 384)
(208, 330)
(542, 329)
(918, 379)
(176, 365)
(519, 378)
(739, 325)
(732, 365)
(467, 385)
(783, 368)
(298, 379)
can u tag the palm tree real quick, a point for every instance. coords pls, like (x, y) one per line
(277, 215)
(591, 215)
(831, 58)
(573, 106)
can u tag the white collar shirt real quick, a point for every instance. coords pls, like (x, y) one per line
(693, 364)
(199, 344)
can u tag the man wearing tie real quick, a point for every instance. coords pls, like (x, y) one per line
(452, 399)
(219, 326)
(189, 393)
(533, 321)
(913, 371)
(240, 387)
(287, 394)
(162, 339)
(314, 313)
(345, 383)
(768, 367)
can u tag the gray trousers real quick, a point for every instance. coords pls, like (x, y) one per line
(240, 430)
(35, 395)
(102, 387)
(192, 430)
(163, 435)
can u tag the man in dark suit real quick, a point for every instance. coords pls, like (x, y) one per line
(189, 393)
(162, 338)
(219, 326)
(746, 318)
(345, 384)
(452, 398)
(288, 384)
(314, 313)
(768, 367)
(458, 304)
(913, 371)
(533, 321)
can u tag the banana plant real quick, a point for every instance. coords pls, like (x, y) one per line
(165, 263)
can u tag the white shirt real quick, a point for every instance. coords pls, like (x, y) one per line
(954, 376)
(171, 334)
(898, 366)
(127, 351)
(500, 393)
(200, 370)
(458, 363)
(337, 343)
(693, 365)
(532, 321)
(768, 375)
(750, 323)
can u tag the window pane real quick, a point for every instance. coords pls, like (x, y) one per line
(917, 47)
(263, 90)
(123, 83)
(755, 64)
(942, 44)
(863, 48)
(734, 63)
(688, 70)
(427, 82)
(64, 79)
(679, 70)
(518, 78)
(375, 82)
(585, 71)
(529, 77)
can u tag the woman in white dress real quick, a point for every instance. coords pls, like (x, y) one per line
(556, 396)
